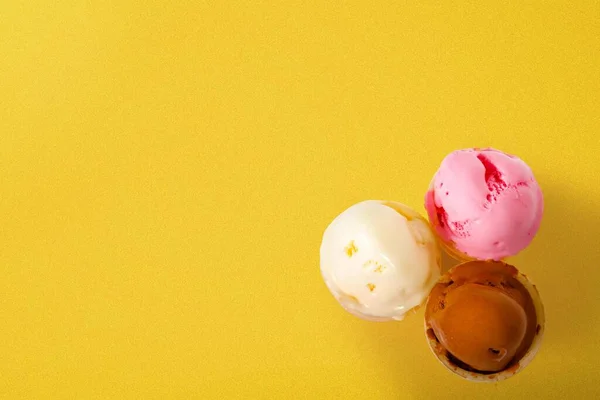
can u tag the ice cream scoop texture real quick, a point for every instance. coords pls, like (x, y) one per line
(379, 259)
(484, 204)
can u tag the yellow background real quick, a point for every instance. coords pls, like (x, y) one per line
(167, 170)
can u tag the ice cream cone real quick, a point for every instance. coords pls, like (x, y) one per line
(484, 204)
(524, 356)
(380, 259)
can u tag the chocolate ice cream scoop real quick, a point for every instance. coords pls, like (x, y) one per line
(481, 317)
(480, 325)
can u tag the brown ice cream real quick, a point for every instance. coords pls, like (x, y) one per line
(481, 316)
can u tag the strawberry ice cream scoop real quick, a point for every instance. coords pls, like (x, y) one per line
(484, 204)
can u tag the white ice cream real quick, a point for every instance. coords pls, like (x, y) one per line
(379, 259)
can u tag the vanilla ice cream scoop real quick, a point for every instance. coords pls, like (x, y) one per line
(380, 260)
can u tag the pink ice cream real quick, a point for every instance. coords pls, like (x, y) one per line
(484, 203)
